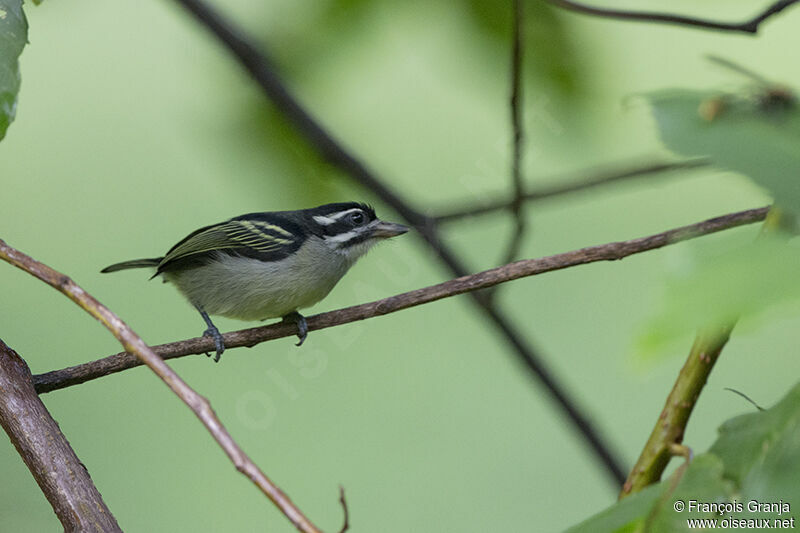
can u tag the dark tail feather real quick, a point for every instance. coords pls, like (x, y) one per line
(136, 263)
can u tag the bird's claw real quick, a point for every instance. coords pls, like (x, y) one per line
(219, 343)
(302, 330)
(302, 326)
(214, 333)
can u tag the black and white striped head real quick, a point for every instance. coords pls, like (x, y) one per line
(350, 227)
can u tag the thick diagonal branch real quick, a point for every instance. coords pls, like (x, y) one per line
(263, 72)
(61, 476)
(133, 344)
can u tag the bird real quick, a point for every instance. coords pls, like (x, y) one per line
(268, 265)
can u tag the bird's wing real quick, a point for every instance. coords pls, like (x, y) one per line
(249, 238)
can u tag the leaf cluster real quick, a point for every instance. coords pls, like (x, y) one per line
(755, 458)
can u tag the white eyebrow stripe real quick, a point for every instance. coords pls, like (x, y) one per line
(343, 237)
(328, 220)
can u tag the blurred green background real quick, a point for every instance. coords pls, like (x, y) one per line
(134, 128)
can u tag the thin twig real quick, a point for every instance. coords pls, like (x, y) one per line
(568, 185)
(746, 397)
(748, 26)
(59, 379)
(135, 345)
(263, 72)
(744, 71)
(517, 237)
(62, 477)
(518, 136)
(343, 501)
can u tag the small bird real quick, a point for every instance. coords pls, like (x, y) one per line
(268, 265)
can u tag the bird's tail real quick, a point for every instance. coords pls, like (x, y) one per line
(135, 263)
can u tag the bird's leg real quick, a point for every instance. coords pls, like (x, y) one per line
(302, 326)
(214, 333)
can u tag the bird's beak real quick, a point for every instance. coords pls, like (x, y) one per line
(384, 230)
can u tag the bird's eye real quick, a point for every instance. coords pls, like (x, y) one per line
(357, 218)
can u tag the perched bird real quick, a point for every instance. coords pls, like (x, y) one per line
(268, 265)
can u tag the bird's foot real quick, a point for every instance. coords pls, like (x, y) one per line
(219, 343)
(214, 333)
(302, 326)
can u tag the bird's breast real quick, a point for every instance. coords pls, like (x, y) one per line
(250, 289)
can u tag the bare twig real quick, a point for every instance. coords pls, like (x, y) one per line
(517, 237)
(263, 72)
(746, 397)
(568, 185)
(744, 71)
(748, 26)
(75, 375)
(62, 477)
(135, 345)
(518, 136)
(343, 501)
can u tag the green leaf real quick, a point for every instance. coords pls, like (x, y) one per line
(626, 515)
(760, 450)
(13, 37)
(652, 509)
(742, 282)
(757, 456)
(749, 134)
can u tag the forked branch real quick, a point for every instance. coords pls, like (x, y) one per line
(747, 26)
(136, 346)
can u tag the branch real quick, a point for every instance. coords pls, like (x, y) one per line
(135, 345)
(747, 26)
(518, 136)
(680, 403)
(746, 397)
(671, 424)
(62, 477)
(569, 185)
(59, 379)
(263, 72)
(343, 501)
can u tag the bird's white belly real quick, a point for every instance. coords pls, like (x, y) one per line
(248, 289)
